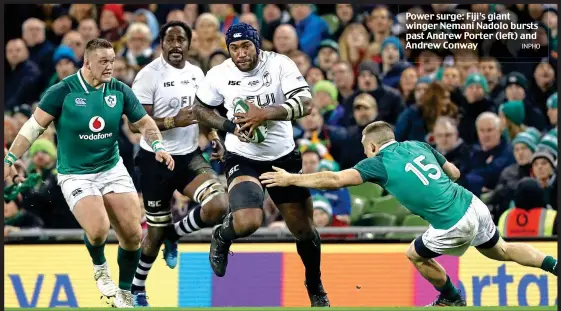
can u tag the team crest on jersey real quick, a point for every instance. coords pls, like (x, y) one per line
(267, 80)
(195, 83)
(111, 100)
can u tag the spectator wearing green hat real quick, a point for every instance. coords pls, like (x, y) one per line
(517, 90)
(544, 167)
(323, 212)
(325, 99)
(512, 114)
(552, 110)
(536, 134)
(473, 103)
(328, 54)
(524, 145)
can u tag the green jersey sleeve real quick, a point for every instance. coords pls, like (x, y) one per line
(53, 99)
(133, 109)
(372, 170)
(439, 157)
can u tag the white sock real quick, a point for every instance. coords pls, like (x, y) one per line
(101, 267)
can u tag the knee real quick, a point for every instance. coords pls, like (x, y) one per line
(132, 237)
(248, 220)
(246, 195)
(98, 235)
(214, 211)
(411, 254)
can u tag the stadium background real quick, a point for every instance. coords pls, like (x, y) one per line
(338, 48)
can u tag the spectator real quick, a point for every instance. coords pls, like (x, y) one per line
(80, 12)
(311, 29)
(339, 199)
(191, 12)
(490, 156)
(328, 54)
(417, 122)
(393, 62)
(45, 198)
(467, 62)
(16, 218)
(543, 86)
(323, 212)
(390, 103)
(301, 60)
(512, 115)
(552, 110)
(40, 50)
(11, 130)
(217, 58)
(451, 79)
(122, 71)
(209, 37)
(74, 40)
(149, 19)
(346, 15)
(491, 70)
(285, 39)
(273, 15)
(193, 55)
(407, 84)
(516, 86)
(344, 80)
(429, 61)
(353, 44)
(22, 76)
(21, 114)
(325, 99)
(138, 51)
(473, 102)
(314, 75)
(379, 23)
(251, 19)
(544, 167)
(226, 15)
(112, 24)
(66, 64)
(529, 217)
(451, 146)
(176, 16)
(524, 145)
(88, 29)
(62, 23)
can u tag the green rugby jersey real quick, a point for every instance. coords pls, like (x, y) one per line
(87, 122)
(411, 171)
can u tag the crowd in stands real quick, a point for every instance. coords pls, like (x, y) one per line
(492, 112)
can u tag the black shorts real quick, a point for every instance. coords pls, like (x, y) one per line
(236, 165)
(158, 183)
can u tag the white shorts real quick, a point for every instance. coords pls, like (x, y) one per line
(78, 186)
(475, 228)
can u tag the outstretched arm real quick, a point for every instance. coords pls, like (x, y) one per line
(321, 180)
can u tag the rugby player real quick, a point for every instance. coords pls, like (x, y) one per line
(273, 82)
(86, 109)
(422, 180)
(166, 88)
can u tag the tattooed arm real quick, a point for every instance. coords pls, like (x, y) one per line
(209, 118)
(149, 130)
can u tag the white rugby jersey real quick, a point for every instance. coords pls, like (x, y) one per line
(268, 84)
(169, 89)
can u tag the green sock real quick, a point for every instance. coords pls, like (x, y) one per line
(128, 261)
(96, 252)
(448, 291)
(549, 264)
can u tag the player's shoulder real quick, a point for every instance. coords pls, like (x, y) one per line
(275, 59)
(222, 70)
(60, 89)
(149, 70)
(117, 85)
(196, 70)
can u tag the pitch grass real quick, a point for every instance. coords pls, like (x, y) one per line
(315, 309)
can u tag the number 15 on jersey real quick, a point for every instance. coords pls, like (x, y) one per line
(426, 168)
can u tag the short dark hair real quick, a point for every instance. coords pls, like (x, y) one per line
(181, 24)
(381, 132)
(96, 44)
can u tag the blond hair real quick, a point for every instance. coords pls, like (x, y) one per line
(367, 98)
(138, 28)
(379, 132)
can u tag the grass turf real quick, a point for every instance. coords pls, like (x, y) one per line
(315, 309)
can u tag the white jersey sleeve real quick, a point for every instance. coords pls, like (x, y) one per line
(207, 93)
(291, 78)
(144, 86)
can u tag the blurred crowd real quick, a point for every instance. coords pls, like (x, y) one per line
(492, 112)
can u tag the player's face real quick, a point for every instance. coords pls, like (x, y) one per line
(552, 115)
(244, 55)
(175, 45)
(100, 63)
(542, 169)
(522, 154)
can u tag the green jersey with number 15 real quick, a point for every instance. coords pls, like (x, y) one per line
(411, 171)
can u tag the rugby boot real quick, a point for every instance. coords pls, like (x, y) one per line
(445, 302)
(140, 300)
(218, 255)
(123, 299)
(105, 285)
(170, 253)
(318, 296)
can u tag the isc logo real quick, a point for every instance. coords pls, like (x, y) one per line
(170, 83)
(234, 82)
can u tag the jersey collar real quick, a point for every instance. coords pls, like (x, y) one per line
(85, 85)
(387, 144)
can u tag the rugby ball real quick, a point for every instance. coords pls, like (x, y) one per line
(260, 133)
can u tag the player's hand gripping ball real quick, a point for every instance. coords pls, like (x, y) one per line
(259, 133)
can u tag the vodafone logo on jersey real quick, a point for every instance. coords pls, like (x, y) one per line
(97, 124)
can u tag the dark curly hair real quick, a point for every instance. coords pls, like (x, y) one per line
(168, 25)
(435, 102)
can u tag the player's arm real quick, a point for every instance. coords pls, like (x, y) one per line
(297, 105)
(449, 168)
(49, 107)
(321, 180)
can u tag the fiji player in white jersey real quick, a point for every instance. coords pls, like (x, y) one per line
(166, 88)
(273, 82)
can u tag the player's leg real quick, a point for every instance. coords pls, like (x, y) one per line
(85, 202)
(198, 181)
(123, 207)
(245, 196)
(491, 245)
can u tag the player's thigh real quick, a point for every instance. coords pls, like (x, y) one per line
(156, 184)
(292, 196)
(487, 234)
(86, 203)
(454, 241)
(494, 249)
(197, 180)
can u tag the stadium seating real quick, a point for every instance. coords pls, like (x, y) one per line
(387, 204)
(357, 206)
(366, 190)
